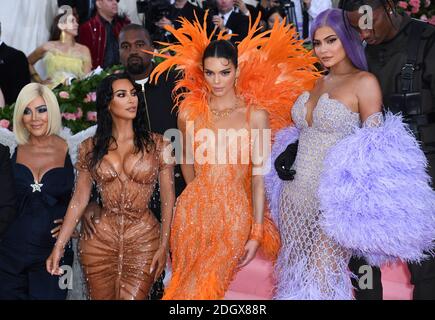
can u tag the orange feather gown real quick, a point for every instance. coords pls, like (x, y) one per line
(214, 214)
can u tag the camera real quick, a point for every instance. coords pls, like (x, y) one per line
(155, 10)
(286, 3)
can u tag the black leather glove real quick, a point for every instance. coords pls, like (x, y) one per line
(284, 162)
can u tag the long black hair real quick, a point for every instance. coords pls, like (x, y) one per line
(103, 138)
(221, 49)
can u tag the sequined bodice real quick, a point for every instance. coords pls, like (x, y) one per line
(127, 192)
(131, 192)
(332, 121)
(224, 161)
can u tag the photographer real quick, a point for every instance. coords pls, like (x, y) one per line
(226, 18)
(157, 16)
(161, 13)
(300, 12)
(183, 8)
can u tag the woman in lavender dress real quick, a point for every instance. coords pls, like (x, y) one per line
(344, 193)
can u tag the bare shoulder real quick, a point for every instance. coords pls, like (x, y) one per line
(367, 81)
(59, 143)
(42, 49)
(83, 48)
(369, 94)
(182, 115)
(182, 118)
(50, 45)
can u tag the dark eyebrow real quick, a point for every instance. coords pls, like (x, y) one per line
(227, 69)
(121, 90)
(41, 106)
(332, 35)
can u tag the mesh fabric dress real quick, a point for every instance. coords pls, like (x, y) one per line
(310, 264)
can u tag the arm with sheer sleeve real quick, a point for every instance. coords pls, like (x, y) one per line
(167, 202)
(75, 209)
(187, 168)
(167, 190)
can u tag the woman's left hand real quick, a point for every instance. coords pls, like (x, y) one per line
(251, 248)
(159, 262)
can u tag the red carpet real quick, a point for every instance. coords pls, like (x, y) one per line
(254, 282)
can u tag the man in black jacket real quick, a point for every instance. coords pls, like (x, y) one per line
(231, 20)
(7, 190)
(14, 71)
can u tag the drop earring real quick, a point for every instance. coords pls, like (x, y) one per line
(62, 37)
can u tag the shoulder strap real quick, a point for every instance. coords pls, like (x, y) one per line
(413, 45)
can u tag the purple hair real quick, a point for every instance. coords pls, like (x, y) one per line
(335, 19)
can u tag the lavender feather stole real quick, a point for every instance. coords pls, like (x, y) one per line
(375, 194)
(273, 183)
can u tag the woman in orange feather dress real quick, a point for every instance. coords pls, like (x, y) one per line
(226, 111)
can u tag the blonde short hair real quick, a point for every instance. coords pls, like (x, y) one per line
(29, 93)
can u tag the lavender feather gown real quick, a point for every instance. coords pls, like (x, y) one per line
(311, 265)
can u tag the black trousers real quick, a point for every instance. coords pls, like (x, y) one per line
(23, 275)
(422, 277)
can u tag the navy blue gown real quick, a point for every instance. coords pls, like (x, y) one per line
(28, 242)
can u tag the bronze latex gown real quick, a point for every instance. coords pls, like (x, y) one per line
(116, 262)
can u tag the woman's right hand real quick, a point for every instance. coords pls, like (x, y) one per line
(52, 263)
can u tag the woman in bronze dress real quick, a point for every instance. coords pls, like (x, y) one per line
(128, 251)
